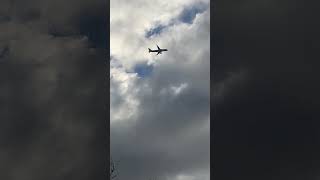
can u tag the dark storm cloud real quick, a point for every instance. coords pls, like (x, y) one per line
(266, 125)
(52, 90)
(61, 18)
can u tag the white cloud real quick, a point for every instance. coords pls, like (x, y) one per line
(173, 102)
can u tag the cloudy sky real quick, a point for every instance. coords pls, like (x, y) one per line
(266, 90)
(52, 76)
(160, 105)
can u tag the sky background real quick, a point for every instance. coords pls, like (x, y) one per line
(160, 105)
(265, 90)
(52, 89)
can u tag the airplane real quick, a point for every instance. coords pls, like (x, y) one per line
(159, 50)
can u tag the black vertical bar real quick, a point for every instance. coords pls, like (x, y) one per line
(54, 89)
(108, 90)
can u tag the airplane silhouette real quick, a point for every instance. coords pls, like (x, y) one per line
(159, 50)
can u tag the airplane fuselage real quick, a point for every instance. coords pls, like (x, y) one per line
(158, 51)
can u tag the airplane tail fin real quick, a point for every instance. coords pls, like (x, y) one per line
(149, 50)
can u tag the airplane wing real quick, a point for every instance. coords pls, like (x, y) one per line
(158, 52)
(158, 47)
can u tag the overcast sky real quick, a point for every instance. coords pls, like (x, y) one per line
(160, 105)
(52, 89)
(266, 90)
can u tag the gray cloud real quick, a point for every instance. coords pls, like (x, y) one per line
(266, 124)
(52, 89)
